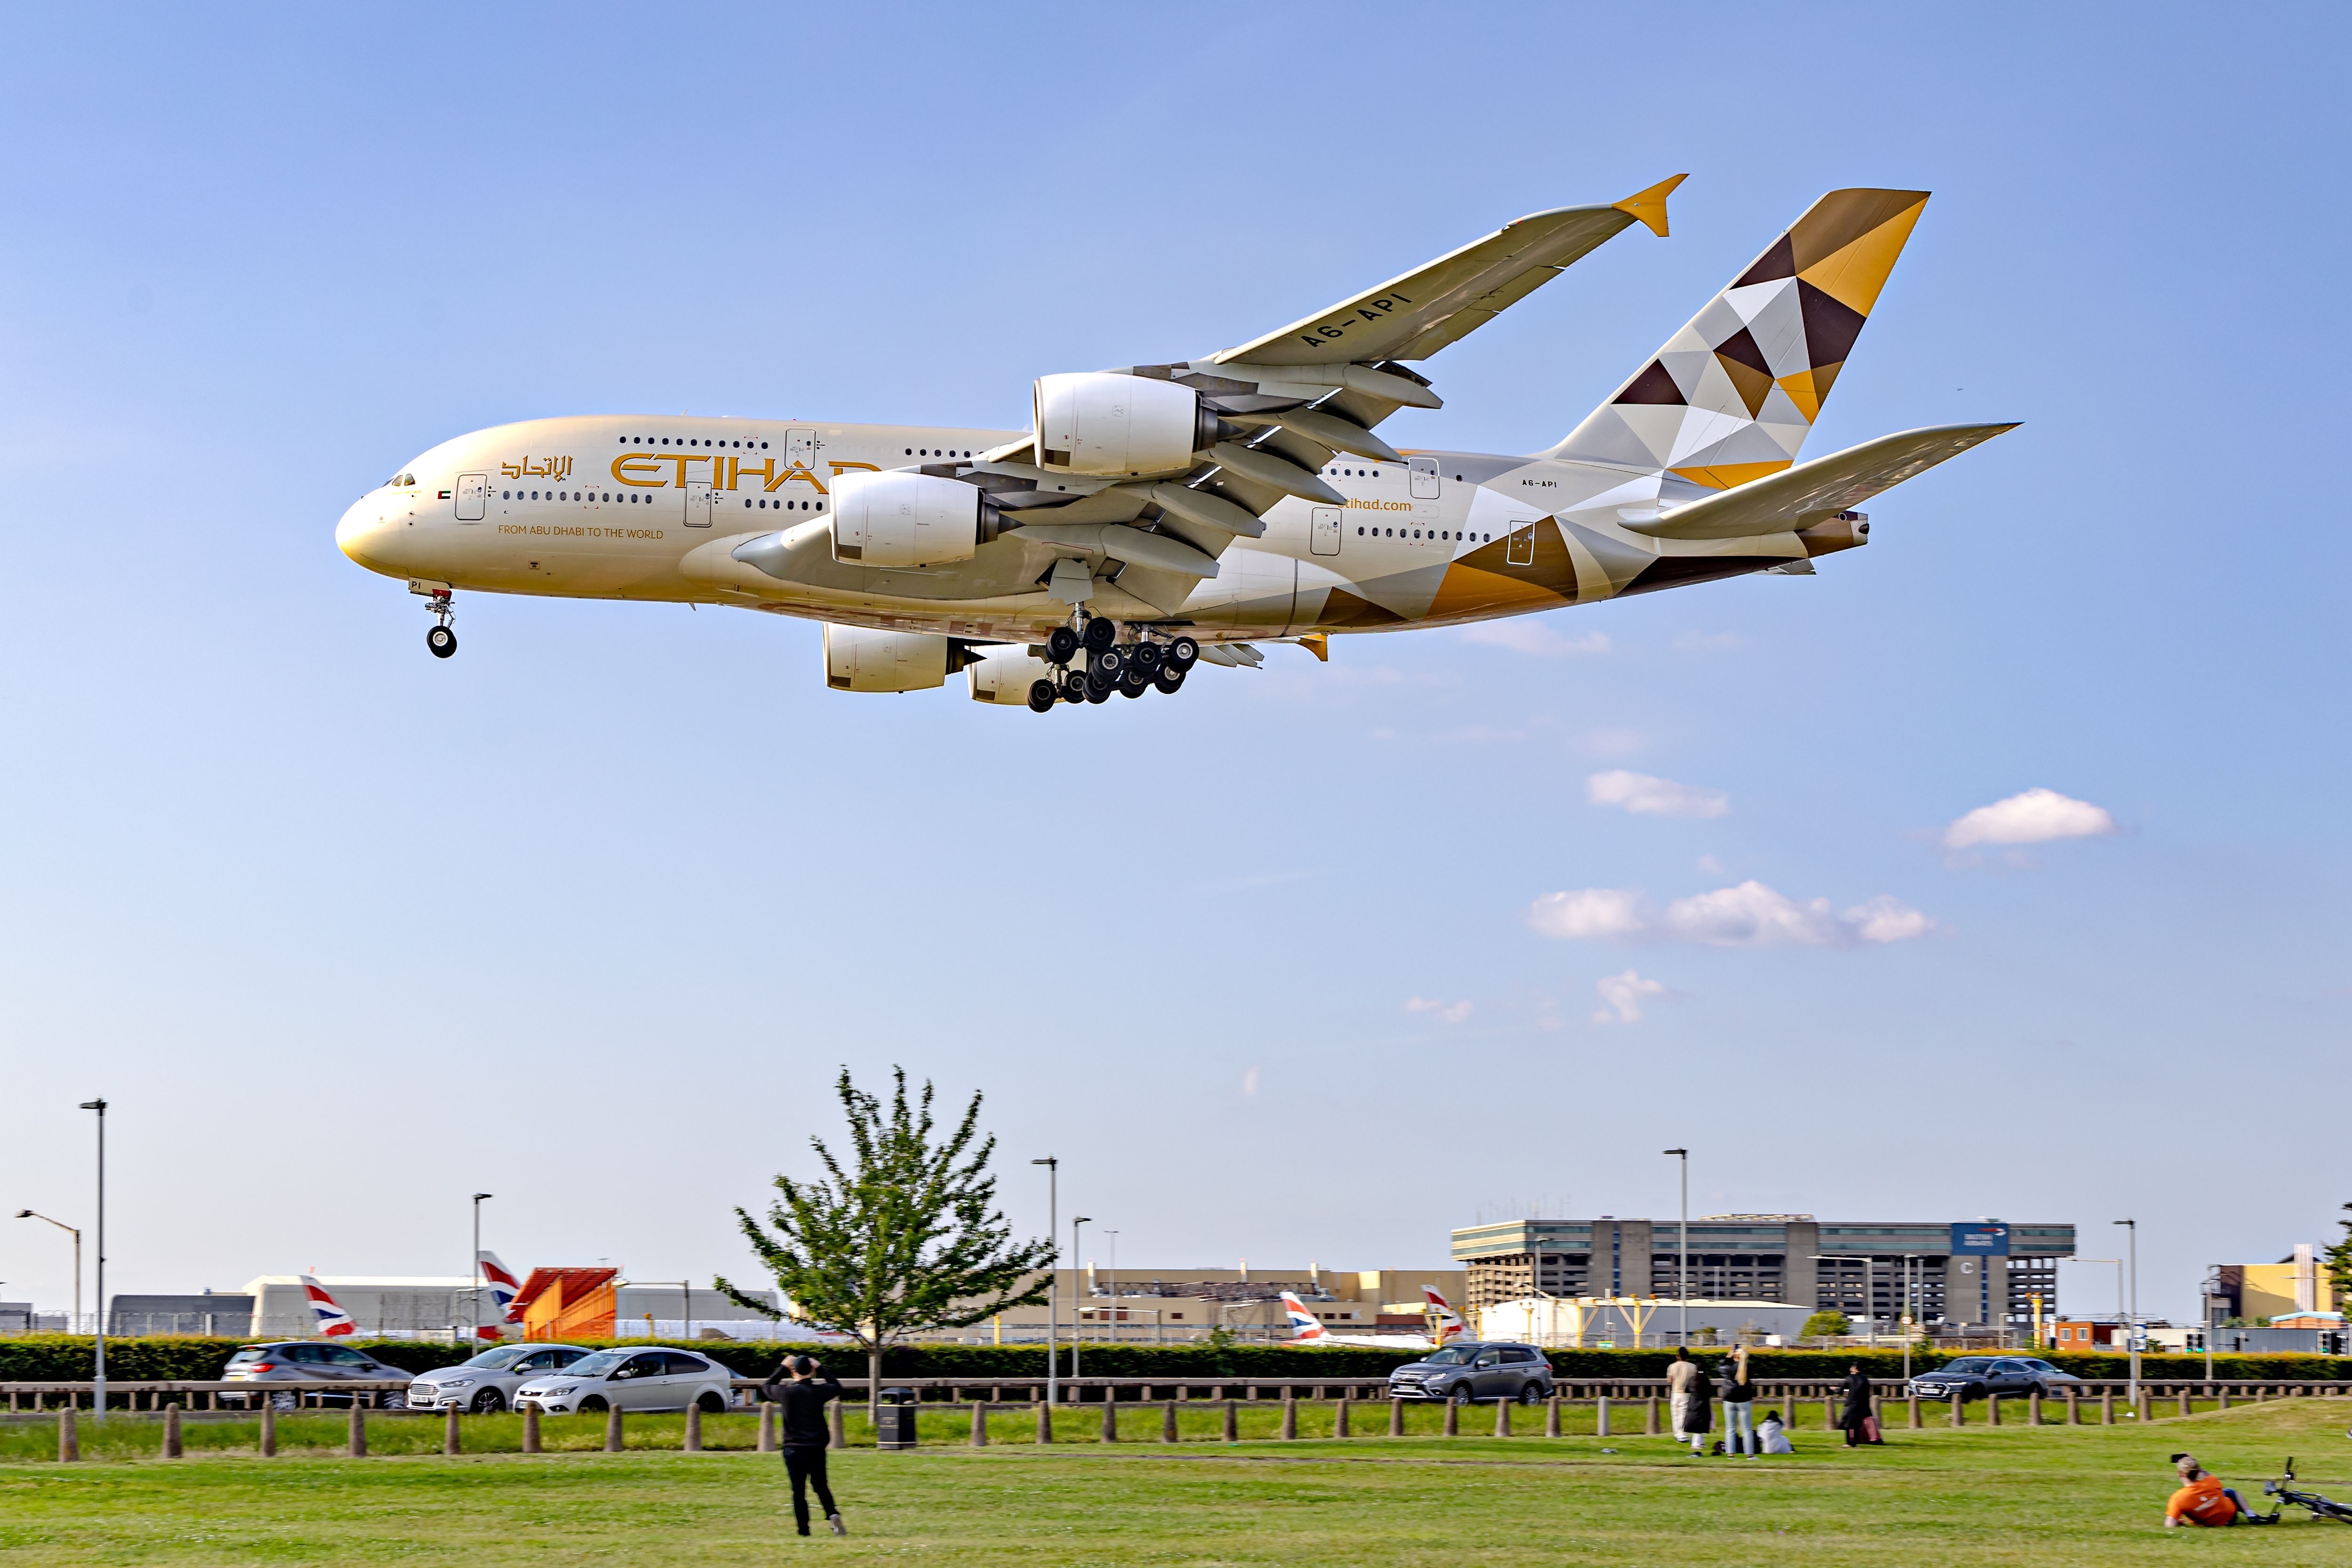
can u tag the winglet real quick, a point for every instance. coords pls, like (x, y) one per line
(1649, 205)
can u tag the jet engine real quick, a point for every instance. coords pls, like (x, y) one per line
(858, 660)
(1097, 423)
(1005, 675)
(907, 520)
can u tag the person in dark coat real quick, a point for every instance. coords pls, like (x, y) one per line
(804, 1395)
(1856, 1389)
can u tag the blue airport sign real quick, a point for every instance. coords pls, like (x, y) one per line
(1985, 1239)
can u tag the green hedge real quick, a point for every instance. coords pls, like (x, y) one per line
(65, 1358)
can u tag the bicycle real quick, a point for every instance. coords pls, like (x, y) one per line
(2320, 1507)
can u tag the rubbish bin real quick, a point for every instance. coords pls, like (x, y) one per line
(896, 1429)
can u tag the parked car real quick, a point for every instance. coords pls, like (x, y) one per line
(1465, 1373)
(1977, 1376)
(486, 1383)
(309, 1361)
(630, 1380)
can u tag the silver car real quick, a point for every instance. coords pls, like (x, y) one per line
(631, 1380)
(309, 1361)
(485, 1384)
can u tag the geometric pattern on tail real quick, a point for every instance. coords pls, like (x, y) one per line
(1732, 396)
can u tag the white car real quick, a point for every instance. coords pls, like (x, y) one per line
(486, 1383)
(630, 1380)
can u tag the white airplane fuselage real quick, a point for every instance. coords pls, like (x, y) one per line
(625, 507)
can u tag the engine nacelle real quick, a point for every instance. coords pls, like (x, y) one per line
(858, 660)
(907, 519)
(1117, 427)
(1003, 676)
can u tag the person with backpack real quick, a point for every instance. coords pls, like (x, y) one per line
(804, 1395)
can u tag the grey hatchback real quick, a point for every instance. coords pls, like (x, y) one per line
(311, 1361)
(1465, 1373)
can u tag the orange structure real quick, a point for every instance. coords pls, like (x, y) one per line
(568, 1303)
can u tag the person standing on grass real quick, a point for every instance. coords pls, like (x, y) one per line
(1855, 1416)
(1699, 1411)
(804, 1395)
(1681, 1372)
(1740, 1405)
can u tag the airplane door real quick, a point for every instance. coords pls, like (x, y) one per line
(799, 447)
(701, 503)
(473, 496)
(1520, 549)
(1425, 478)
(1324, 539)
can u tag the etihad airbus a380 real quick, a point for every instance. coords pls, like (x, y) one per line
(1159, 515)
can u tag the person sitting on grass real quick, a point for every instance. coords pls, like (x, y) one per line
(2202, 1500)
(1772, 1434)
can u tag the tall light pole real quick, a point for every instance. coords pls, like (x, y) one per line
(28, 1213)
(97, 1364)
(2131, 1325)
(476, 1270)
(1681, 1286)
(1052, 1266)
(1078, 1312)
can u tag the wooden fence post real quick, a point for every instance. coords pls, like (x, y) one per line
(2184, 1409)
(530, 1428)
(2140, 1411)
(69, 1437)
(1788, 1409)
(1233, 1422)
(1167, 1423)
(1339, 1416)
(1396, 1418)
(1650, 1425)
(840, 1438)
(1960, 1409)
(451, 1443)
(1111, 1416)
(2106, 1407)
(612, 1440)
(1502, 1417)
(1992, 1409)
(1551, 1414)
(355, 1440)
(2225, 1399)
(1289, 1417)
(171, 1429)
(979, 1424)
(1452, 1417)
(1829, 1414)
(1913, 1401)
(1601, 1417)
(269, 1427)
(692, 1442)
(2034, 1407)
(1044, 1422)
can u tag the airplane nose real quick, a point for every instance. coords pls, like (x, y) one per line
(353, 533)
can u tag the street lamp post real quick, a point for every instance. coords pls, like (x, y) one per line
(2131, 1319)
(476, 1270)
(1077, 1309)
(97, 1364)
(76, 1234)
(1681, 1277)
(1052, 1266)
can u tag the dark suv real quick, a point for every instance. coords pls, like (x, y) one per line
(1483, 1369)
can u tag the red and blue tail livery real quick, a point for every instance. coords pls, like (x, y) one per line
(332, 1319)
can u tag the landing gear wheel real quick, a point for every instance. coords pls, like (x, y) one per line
(1042, 696)
(1133, 683)
(1100, 634)
(441, 641)
(1183, 652)
(1169, 682)
(1145, 656)
(1061, 645)
(1110, 662)
(1099, 693)
(1074, 687)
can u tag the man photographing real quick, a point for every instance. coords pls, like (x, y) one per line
(797, 1387)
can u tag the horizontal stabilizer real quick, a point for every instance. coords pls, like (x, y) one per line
(1812, 492)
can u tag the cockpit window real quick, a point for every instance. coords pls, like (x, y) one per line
(399, 480)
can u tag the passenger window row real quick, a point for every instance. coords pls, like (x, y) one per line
(928, 452)
(689, 441)
(1434, 534)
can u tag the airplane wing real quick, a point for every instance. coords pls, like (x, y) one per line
(1814, 493)
(1414, 315)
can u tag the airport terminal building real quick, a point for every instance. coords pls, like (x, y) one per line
(1979, 1273)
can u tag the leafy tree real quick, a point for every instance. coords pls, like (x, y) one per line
(906, 1237)
(2339, 1264)
(1826, 1325)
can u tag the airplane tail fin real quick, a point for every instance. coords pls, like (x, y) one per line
(501, 1287)
(1305, 1328)
(326, 1316)
(1446, 1321)
(1732, 396)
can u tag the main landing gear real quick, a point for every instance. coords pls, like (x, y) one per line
(441, 640)
(1094, 664)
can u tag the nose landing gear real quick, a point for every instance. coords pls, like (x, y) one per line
(441, 640)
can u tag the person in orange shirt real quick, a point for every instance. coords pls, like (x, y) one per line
(2202, 1500)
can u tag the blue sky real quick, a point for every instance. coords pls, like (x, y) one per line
(588, 916)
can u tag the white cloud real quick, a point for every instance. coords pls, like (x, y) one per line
(1621, 996)
(1452, 1012)
(2036, 816)
(1593, 912)
(1522, 634)
(1647, 796)
(1710, 865)
(1249, 1083)
(1747, 915)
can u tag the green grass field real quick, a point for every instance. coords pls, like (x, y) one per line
(2012, 1496)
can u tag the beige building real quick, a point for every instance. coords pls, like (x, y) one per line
(2253, 1291)
(1144, 1305)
